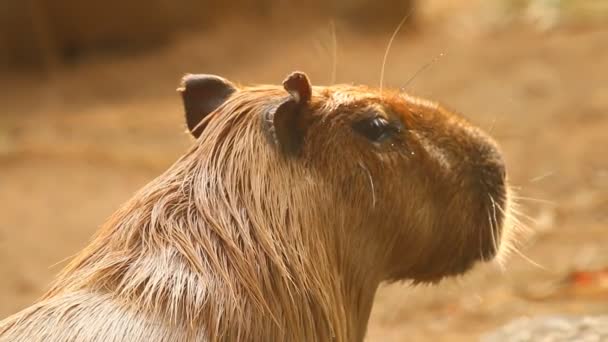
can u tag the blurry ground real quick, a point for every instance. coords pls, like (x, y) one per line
(76, 145)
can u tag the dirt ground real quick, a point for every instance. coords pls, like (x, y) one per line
(76, 143)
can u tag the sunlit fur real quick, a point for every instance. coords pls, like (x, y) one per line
(239, 242)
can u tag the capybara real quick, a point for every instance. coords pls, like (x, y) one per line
(293, 204)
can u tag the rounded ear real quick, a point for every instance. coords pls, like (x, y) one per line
(290, 119)
(202, 94)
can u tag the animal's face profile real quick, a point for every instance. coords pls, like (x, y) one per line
(399, 186)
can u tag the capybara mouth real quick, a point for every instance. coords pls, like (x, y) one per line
(480, 242)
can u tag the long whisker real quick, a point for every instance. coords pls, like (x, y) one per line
(514, 217)
(518, 215)
(421, 69)
(493, 224)
(532, 199)
(532, 262)
(481, 235)
(511, 248)
(371, 182)
(541, 177)
(390, 43)
(334, 42)
(515, 212)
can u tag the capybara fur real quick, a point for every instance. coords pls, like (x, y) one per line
(293, 204)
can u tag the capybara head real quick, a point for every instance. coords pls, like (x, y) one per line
(391, 186)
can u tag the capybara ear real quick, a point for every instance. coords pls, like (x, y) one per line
(202, 94)
(290, 119)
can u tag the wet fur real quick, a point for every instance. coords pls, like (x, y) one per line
(238, 242)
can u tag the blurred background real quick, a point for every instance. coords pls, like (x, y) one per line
(89, 114)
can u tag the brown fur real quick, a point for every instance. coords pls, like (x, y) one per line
(238, 241)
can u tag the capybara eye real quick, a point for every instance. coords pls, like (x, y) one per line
(376, 129)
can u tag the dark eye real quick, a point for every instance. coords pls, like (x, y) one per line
(375, 129)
